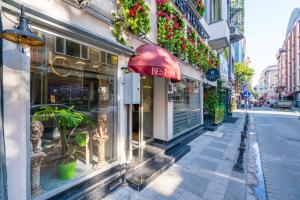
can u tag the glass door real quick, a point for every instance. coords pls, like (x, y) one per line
(142, 114)
(147, 108)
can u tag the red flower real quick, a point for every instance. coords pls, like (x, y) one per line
(169, 36)
(183, 46)
(168, 17)
(176, 25)
(161, 2)
(142, 9)
(131, 13)
(135, 6)
(159, 13)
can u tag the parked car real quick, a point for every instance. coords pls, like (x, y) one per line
(258, 104)
(283, 105)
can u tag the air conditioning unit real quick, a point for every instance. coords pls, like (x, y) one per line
(235, 34)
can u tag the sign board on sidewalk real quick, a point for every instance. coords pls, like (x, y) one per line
(247, 94)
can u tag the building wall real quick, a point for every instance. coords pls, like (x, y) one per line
(16, 75)
(289, 61)
(268, 82)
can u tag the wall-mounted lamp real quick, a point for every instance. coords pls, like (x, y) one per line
(22, 35)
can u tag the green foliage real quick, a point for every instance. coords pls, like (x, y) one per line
(210, 101)
(67, 121)
(254, 93)
(117, 31)
(186, 45)
(243, 73)
(226, 53)
(214, 102)
(136, 16)
(171, 30)
(200, 7)
(219, 113)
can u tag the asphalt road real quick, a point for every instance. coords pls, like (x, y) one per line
(279, 142)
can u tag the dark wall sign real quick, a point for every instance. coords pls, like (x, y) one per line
(170, 97)
(212, 74)
(191, 17)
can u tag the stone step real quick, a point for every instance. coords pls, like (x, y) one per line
(143, 175)
(212, 127)
(178, 151)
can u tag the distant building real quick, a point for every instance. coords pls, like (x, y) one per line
(268, 82)
(288, 58)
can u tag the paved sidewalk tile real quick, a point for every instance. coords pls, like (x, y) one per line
(205, 173)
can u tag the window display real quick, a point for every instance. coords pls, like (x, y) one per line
(187, 106)
(73, 110)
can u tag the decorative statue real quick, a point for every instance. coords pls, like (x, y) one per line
(37, 156)
(37, 129)
(101, 136)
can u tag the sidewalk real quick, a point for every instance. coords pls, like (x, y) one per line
(205, 173)
(296, 109)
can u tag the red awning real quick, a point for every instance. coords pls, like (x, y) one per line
(153, 60)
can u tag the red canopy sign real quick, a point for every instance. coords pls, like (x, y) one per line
(153, 60)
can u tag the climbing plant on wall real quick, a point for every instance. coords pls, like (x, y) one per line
(117, 31)
(200, 7)
(171, 29)
(134, 16)
(180, 40)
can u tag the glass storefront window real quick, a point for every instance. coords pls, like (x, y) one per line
(67, 75)
(187, 106)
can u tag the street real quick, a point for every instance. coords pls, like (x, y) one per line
(278, 136)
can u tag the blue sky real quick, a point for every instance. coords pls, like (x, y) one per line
(265, 27)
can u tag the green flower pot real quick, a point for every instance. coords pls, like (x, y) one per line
(66, 171)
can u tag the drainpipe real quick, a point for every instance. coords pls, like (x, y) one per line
(3, 176)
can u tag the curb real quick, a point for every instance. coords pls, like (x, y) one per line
(256, 188)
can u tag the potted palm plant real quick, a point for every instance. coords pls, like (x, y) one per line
(67, 121)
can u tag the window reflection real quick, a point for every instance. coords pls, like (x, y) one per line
(187, 105)
(82, 82)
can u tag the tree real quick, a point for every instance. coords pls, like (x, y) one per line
(243, 73)
(254, 93)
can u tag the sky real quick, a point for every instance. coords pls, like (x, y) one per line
(265, 28)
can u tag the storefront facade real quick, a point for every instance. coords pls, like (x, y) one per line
(78, 68)
(82, 68)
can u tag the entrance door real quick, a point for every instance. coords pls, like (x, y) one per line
(142, 114)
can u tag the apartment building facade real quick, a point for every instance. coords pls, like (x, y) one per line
(268, 83)
(288, 58)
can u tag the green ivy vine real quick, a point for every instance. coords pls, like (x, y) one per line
(136, 16)
(180, 40)
(117, 31)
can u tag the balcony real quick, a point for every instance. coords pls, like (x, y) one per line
(219, 34)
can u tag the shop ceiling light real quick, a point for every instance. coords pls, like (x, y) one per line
(22, 35)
